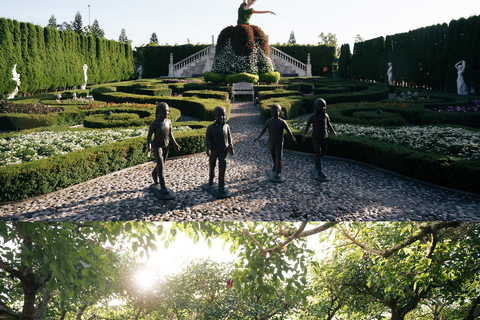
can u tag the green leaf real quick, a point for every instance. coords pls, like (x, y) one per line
(82, 251)
(97, 250)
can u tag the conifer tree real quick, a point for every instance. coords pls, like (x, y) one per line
(292, 39)
(153, 38)
(344, 61)
(96, 31)
(52, 22)
(123, 36)
(77, 24)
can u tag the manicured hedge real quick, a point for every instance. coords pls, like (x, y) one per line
(154, 91)
(21, 121)
(123, 117)
(263, 95)
(241, 77)
(207, 94)
(296, 105)
(196, 107)
(47, 58)
(200, 86)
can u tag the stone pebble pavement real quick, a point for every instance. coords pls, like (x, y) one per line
(355, 192)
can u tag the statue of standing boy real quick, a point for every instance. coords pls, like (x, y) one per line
(219, 143)
(275, 127)
(321, 124)
(161, 129)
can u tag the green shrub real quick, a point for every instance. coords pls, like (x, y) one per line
(216, 78)
(115, 120)
(241, 77)
(191, 106)
(330, 90)
(207, 94)
(124, 117)
(197, 86)
(378, 119)
(306, 87)
(269, 77)
(291, 108)
(278, 93)
(154, 91)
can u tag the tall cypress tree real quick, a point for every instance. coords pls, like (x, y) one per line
(96, 30)
(77, 24)
(154, 38)
(52, 22)
(123, 36)
(7, 60)
(344, 61)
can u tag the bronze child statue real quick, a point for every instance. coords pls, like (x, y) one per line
(161, 129)
(218, 143)
(321, 124)
(275, 127)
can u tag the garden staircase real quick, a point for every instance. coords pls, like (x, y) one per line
(196, 64)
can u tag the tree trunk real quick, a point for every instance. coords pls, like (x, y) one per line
(28, 302)
(41, 308)
(80, 312)
(62, 315)
(137, 315)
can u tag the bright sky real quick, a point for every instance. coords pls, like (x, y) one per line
(175, 21)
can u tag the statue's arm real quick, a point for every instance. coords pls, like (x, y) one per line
(329, 125)
(289, 132)
(149, 135)
(255, 11)
(263, 130)
(175, 144)
(309, 122)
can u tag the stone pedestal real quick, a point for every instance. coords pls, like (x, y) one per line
(272, 176)
(319, 177)
(162, 195)
(213, 190)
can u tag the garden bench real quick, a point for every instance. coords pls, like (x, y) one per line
(243, 88)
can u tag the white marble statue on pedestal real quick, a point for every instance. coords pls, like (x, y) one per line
(140, 72)
(390, 73)
(16, 78)
(461, 86)
(85, 68)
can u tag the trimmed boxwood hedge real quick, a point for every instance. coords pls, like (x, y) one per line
(207, 94)
(154, 91)
(100, 118)
(21, 181)
(21, 121)
(191, 106)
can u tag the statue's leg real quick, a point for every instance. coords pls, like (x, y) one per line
(222, 166)
(279, 158)
(318, 154)
(155, 173)
(160, 167)
(212, 161)
(323, 145)
(274, 157)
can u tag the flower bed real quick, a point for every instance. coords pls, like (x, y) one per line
(29, 108)
(20, 148)
(472, 106)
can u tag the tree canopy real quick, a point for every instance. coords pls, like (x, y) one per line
(330, 270)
